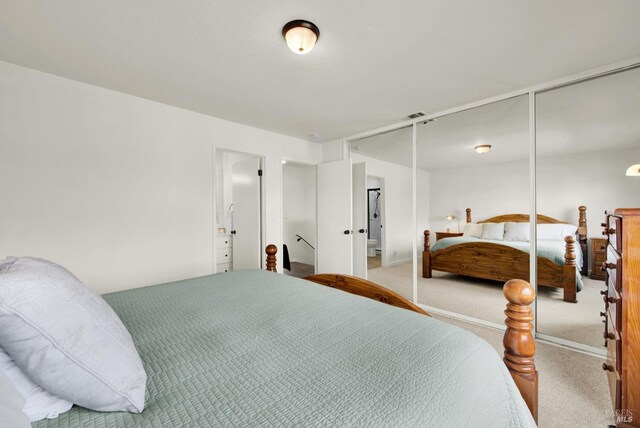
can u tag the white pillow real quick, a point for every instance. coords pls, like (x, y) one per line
(493, 231)
(473, 229)
(11, 403)
(38, 403)
(556, 231)
(517, 231)
(67, 339)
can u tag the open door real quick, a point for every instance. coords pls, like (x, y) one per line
(359, 190)
(246, 185)
(334, 249)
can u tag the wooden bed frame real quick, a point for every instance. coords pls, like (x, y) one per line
(519, 345)
(500, 262)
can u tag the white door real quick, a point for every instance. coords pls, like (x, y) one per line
(359, 191)
(246, 214)
(334, 246)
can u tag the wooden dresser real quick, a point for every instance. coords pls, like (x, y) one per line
(622, 313)
(598, 255)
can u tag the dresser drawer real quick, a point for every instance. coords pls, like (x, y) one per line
(612, 330)
(614, 232)
(223, 241)
(224, 267)
(225, 255)
(613, 267)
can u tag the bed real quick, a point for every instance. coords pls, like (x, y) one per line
(560, 264)
(254, 348)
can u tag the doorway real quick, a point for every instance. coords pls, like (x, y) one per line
(375, 224)
(238, 240)
(299, 219)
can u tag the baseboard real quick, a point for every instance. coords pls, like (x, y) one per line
(399, 262)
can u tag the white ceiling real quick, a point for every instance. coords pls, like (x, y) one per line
(375, 62)
(596, 115)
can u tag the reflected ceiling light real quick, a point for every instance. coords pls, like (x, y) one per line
(483, 148)
(300, 35)
(633, 170)
(284, 161)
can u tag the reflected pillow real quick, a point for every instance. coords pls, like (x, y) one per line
(556, 231)
(494, 231)
(473, 229)
(517, 231)
(67, 339)
(38, 403)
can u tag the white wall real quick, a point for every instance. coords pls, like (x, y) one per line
(488, 190)
(596, 180)
(299, 210)
(397, 215)
(117, 188)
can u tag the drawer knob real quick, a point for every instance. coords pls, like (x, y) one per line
(609, 231)
(612, 300)
(608, 335)
(606, 266)
(607, 367)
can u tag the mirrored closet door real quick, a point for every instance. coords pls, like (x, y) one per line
(383, 209)
(473, 186)
(588, 135)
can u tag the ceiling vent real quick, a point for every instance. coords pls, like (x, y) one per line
(415, 115)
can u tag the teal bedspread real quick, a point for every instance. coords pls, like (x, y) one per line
(549, 249)
(253, 348)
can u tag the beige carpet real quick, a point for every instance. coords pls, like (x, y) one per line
(573, 389)
(579, 322)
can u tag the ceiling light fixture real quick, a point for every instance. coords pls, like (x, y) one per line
(483, 148)
(633, 170)
(300, 35)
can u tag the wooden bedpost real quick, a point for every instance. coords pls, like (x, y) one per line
(468, 210)
(569, 270)
(582, 238)
(519, 346)
(426, 254)
(271, 257)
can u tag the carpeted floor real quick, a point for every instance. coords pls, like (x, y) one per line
(579, 322)
(573, 389)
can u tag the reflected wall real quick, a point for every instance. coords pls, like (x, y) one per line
(588, 134)
(478, 166)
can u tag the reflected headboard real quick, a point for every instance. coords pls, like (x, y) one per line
(543, 219)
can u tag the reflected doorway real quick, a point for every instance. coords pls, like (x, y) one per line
(375, 224)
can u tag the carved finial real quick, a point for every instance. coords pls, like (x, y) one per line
(582, 224)
(468, 210)
(427, 242)
(570, 254)
(519, 346)
(583, 215)
(271, 251)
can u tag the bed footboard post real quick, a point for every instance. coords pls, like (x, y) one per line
(519, 346)
(569, 271)
(271, 251)
(426, 256)
(582, 238)
(468, 210)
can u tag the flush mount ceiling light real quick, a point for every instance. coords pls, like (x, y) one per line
(483, 148)
(300, 35)
(633, 170)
